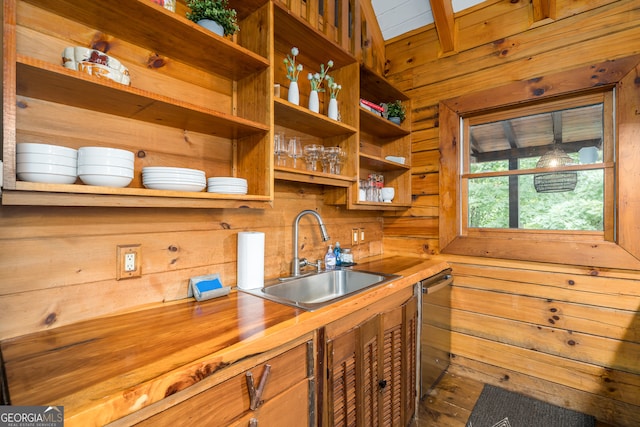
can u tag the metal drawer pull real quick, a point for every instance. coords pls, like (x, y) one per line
(437, 282)
(256, 395)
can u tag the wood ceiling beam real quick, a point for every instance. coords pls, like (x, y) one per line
(443, 18)
(536, 151)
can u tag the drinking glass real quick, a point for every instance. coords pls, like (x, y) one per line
(332, 156)
(340, 160)
(280, 149)
(313, 153)
(295, 149)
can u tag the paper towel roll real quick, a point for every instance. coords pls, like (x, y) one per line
(250, 260)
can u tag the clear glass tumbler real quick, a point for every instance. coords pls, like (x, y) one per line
(280, 149)
(295, 149)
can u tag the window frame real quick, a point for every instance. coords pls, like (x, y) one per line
(619, 245)
(604, 97)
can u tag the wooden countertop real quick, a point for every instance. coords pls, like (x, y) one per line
(103, 369)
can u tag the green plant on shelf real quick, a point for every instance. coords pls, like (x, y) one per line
(215, 10)
(396, 109)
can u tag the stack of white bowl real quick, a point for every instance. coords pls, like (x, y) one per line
(52, 164)
(172, 178)
(108, 167)
(227, 185)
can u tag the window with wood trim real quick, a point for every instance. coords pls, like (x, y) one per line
(500, 141)
(545, 166)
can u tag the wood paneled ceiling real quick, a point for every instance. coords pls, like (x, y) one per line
(399, 17)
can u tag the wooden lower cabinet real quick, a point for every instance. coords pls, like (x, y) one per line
(371, 370)
(288, 397)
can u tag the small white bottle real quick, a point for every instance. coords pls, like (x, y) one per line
(330, 259)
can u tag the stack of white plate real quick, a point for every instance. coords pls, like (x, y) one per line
(227, 185)
(176, 179)
(47, 163)
(109, 167)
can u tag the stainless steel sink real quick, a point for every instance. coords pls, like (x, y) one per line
(314, 291)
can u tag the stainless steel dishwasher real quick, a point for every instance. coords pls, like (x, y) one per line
(435, 328)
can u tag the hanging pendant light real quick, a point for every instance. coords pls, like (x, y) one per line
(555, 182)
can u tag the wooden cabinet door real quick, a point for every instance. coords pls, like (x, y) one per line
(398, 361)
(228, 402)
(372, 370)
(341, 380)
(289, 409)
(391, 374)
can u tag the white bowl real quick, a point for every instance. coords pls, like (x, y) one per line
(106, 180)
(32, 147)
(49, 178)
(117, 163)
(105, 170)
(52, 159)
(388, 193)
(46, 168)
(102, 152)
(95, 63)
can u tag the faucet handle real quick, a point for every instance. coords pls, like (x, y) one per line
(317, 265)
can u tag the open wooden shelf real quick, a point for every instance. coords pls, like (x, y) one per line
(29, 193)
(381, 165)
(314, 47)
(50, 82)
(161, 31)
(291, 174)
(303, 120)
(380, 206)
(380, 126)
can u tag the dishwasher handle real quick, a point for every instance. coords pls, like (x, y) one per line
(437, 282)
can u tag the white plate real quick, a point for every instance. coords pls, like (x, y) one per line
(227, 190)
(156, 169)
(174, 186)
(174, 180)
(227, 180)
(177, 177)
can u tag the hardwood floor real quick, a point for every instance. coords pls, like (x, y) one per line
(450, 403)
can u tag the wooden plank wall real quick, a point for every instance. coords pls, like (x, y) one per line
(565, 334)
(58, 264)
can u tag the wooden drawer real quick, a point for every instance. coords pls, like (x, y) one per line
(226, 402)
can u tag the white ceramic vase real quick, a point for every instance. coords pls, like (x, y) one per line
(294, 95)
(212, 26)
(333, 109)
(314, 103)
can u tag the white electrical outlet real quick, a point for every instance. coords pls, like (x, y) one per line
(130, 262)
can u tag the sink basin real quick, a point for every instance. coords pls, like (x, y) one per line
(311, 292)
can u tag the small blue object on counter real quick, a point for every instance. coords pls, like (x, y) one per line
(206, 287)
